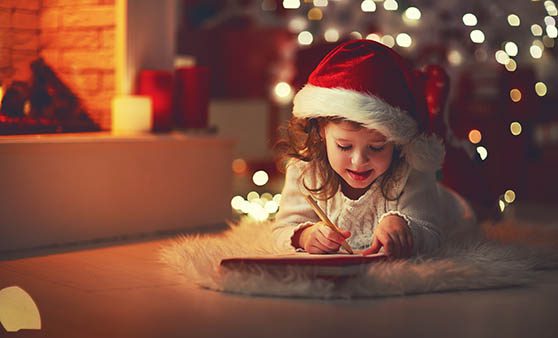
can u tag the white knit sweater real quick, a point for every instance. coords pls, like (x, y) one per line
(434, 213)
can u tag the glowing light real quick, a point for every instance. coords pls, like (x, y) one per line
(374, 37)
(391, 5)
(305, 38)
(297, 24)
(536, 30)
(257, 212)
(540, 88)
(267, 196)
(355, 35)
(331, 35)
(283, 93)
(320, 3)
(509, 196)
(550, 7)
(515, 95)
(131, 114)
(277, 198)
(515, 128)
(260, 178)
(237, 202)
(18, 311)
(1, 93)
(388, 40)
(511, 66)
(501, 57)
(368, 6)
(271, 207)
(239, 166)
(413, 13)
(455, 57)
(469, 19)
(549, 21)
(404, 40)
(552, 31)
(536, 51)
(513, 20)
(475, 136)
(511, 48)
(483, 152)
(315, 14)
(291, 4)
(252, 195)
(477, 36)
(502, 205)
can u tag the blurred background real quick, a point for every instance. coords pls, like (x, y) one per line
(239, 63)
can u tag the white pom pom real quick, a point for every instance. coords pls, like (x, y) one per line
(425, 153)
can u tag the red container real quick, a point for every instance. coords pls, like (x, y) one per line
(191, 97)
(158, 85)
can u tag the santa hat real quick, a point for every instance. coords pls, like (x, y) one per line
(368, 83)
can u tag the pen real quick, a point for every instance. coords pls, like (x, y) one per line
(326, 220)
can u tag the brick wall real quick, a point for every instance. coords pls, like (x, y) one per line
(76, 38)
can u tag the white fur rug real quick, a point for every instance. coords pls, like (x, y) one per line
(494, 261)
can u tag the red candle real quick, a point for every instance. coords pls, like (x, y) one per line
(192, 96)
(158, 84)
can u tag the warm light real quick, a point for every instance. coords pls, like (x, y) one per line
(549, 21)
(515, 128)
(239, 166)
(501, 57)
(483, 153)
(509, 196)
(502, 205)
(297, 24)
(536, 30)
(131, 114)
(271, 207)
(552, 31)
(455, 57)
(252, 195)
(477, 36)
(260, 178)
(470, 19)
(320, 3)
(475, 136)
(540, 88)
(283, 90)
(374, 37)
(536, 51)
(315, 14)
(237, 202)
(277, 198)
(515, 95)
(404, 40)
(291, 4)
(305, 38)
(355, 35)
(391, 5)
(511, 48)
(412, 13)
(550, 7)
(368, 6)
(511, 66)
(331, 35)
(514, 20)
(1, 94)
(388, 40)
(18, 311)
(266, 197)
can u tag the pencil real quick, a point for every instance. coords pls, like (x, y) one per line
(323, 217)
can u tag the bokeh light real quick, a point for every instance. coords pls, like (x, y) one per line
(483, 152)
(513, 20)
(475, 136)
(509, 196)
(404, 40)
(305, 38)
(477, 36)
(515, 128)
(540, 88)
(260, 178)
(470, 19)
(515, 95)
(368, 6)
(239, 166)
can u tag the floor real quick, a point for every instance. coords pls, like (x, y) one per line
(123, 291)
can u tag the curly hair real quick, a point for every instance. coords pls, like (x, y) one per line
(301, 140)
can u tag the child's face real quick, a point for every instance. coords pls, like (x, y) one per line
(358, 155)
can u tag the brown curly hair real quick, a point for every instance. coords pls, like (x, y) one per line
(301, 139)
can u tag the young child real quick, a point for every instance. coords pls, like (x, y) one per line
(359, 144)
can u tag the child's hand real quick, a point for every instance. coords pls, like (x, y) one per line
(319, 238)
(393, 234)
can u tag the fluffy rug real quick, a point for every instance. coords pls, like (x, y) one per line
(508, 254)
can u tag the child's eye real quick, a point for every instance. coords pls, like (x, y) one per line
(376, 149)
(343, 148)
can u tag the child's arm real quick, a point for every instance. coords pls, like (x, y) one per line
(295, 214)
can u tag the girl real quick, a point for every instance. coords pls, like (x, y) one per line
(358, 143)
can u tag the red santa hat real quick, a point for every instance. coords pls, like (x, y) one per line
(368, 83)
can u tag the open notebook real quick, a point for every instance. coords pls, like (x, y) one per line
(326, 265)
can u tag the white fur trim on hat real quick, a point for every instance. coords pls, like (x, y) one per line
(424, 153)
(372, 112)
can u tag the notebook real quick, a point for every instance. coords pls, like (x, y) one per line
(317, 265)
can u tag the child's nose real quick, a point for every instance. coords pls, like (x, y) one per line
(359, 157)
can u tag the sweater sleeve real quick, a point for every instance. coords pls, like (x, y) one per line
(422, 207)
(294, 211)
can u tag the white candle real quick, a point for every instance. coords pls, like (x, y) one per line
(131, 114)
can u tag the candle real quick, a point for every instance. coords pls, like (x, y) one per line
(191, 96)
(131, 114)
(157, 84)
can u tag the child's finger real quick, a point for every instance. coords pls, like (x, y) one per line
(374, 247)
(327, 243)
(394, 245)
(332, 235)
(404, 247)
